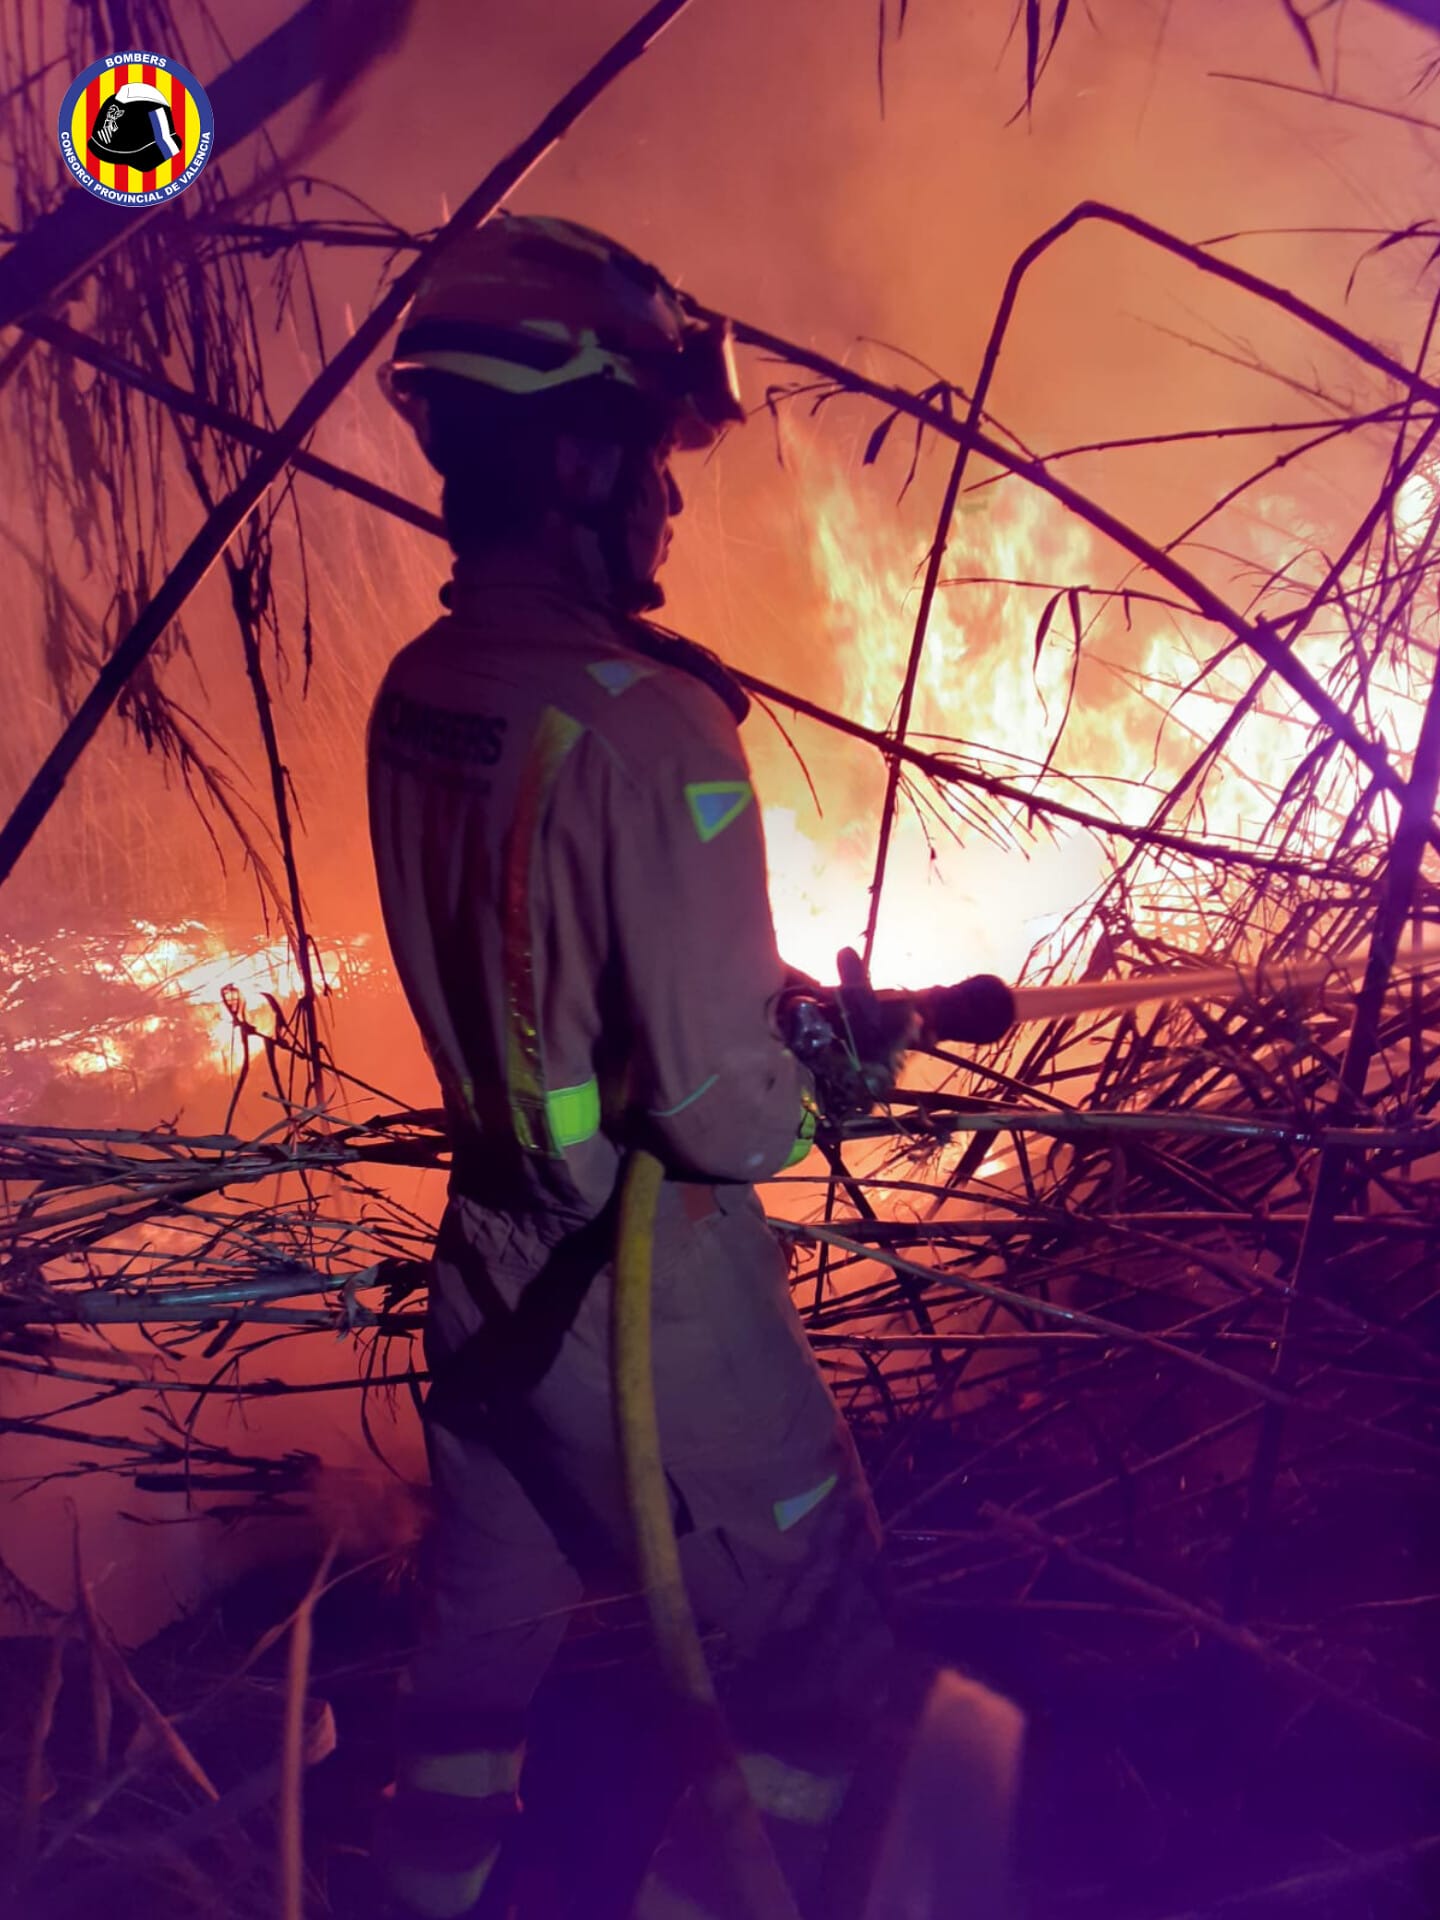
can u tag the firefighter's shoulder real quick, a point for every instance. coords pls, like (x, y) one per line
(409, 670)
(663, 696)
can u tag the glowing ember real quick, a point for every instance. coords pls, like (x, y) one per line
(143, 1000)
(220, 987)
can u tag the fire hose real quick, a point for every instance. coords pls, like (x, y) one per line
(758, 1882)
(853, 1039)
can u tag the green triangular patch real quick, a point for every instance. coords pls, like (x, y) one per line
(789, 1513)
(714, 804)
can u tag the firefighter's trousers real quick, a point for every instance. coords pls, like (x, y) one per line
(778, 1535)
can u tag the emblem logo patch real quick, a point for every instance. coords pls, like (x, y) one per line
(135, 129)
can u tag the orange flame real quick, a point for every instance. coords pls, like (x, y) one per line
(199, 987)
(957, 899)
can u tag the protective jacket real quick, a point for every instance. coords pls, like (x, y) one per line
(571, 870)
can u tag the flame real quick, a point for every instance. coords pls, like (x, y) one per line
(814, 909)
(960, 897)
(192, 967)
(948, 909)
(142, 998)
(957, 899)
(1415, 506)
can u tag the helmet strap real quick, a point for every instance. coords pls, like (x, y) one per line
(609, 521)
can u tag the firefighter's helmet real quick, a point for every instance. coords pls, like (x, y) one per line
(529, 307)
(135, 128)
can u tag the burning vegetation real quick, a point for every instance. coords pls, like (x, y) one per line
(1133, 1316)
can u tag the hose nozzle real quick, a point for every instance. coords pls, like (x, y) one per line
(976, 1011)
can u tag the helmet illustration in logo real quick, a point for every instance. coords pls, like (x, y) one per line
(135, 128)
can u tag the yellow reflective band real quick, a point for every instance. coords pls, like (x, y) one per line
(805, 1134)
(524, 1071)
(589, 360)
(793, 1793)
(469, 1776)
(789, 1513)
(573, 1114)
(438, 1895)
(715, 804)
(467, 1097)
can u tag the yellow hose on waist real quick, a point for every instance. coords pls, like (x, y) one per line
(759, 1883)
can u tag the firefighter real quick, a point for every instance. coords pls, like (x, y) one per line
(571, 868)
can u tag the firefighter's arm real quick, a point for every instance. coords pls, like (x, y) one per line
(712, 1083)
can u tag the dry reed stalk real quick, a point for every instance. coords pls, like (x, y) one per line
(35, 1787)
(1402, 875)
(291, 1864)
(1217, 1627)
(1299, 1891)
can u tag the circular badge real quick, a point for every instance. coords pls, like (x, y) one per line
(136, 128)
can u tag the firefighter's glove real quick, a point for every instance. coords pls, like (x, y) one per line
(851, 1041)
